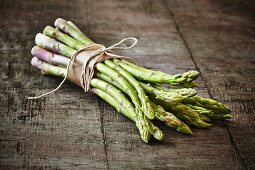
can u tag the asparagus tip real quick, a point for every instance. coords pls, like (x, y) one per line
(38, 37)
(183, 128)
(34, 49)
(47, 28)
(146, 136)
(227, 116)
(203, 124)
(159, 135)
(35, 61)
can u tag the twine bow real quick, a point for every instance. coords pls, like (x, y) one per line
(94, 57)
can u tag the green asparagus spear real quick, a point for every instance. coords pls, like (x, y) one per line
(162, 95)
(186, 92)
(203, 117)
(182, 80)
(146, 107)
(110, 80)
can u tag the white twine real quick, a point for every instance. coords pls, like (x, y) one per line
(101, 51)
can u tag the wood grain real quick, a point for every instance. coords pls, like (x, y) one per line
(73, 130)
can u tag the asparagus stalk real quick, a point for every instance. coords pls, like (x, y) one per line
(110, 80)
(162, 115)
(186, 92)
(182, 80)
(48, 68)
(74, 26)
(162, 95)
(68, 40)
(49, 57)
(203, 117)
(146, 107)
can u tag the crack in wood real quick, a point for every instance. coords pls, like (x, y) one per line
(101, 105)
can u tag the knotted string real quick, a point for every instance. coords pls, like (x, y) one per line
(101, 51)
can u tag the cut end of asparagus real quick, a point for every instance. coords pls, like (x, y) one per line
(41, 53)
(59, 21)
(35, 62)
(48, 29)
(34, 50)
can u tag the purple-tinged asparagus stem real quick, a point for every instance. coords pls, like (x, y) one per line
(48, 68)
(49, 57)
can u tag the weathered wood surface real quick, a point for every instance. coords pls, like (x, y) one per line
(73, 130)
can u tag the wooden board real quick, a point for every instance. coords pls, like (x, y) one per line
(73, 130)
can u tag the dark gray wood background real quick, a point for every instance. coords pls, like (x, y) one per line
(73, 130)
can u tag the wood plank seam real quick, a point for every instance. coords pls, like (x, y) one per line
(206, 85)
(101, 106)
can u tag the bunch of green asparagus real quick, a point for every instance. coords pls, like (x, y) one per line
(139, 93)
